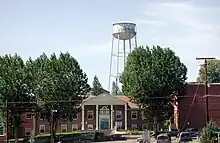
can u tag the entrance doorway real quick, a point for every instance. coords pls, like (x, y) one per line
(104, 118)
(104, 123)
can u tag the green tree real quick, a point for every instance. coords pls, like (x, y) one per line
(213, 72)
(15, 86)
(152, 75)
(115, 89)
(58, 79)
(96, 87)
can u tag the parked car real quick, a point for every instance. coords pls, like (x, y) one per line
(163, 138)
(193, 132)
(184, 137)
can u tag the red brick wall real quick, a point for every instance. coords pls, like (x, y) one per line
(196, 112)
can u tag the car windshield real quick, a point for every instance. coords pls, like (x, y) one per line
(162, 137)
(185, 135)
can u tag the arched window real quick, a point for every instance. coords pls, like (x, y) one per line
(104, 111)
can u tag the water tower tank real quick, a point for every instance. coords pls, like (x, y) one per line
(124, 30)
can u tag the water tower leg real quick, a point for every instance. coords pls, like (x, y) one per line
(130, 45)
(124, 53)
(135, 41)
(118, 55)
(110, 72)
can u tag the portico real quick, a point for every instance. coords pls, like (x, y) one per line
(104, 107)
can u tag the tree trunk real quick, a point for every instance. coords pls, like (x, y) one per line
(55, 128)
(52, 130)
(15, 130)
(16, 134)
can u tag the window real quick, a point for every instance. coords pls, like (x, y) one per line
(63, 128)
(76, 117)
(28, 115)
(27, 131)
(90, 126)
(74, 127)
(118, 125)
(134, 126)
(118, 115)
(144, 126)
(90, 114)
(104, 111)
(42, 129)
(133, 115)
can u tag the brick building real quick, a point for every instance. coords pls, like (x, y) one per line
(107, 112)
(191, 110)
(98, 113)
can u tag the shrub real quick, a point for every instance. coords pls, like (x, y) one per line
(207, 135)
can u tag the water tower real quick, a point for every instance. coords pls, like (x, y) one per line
(123, 41)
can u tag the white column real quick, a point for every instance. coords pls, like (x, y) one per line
(97, 117)
(126, 117)
(112, 117)
(83, 116)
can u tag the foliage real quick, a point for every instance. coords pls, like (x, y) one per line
(115, 89)
(15, 86)
(96, 87)
(58, 79)
(213, 72)
(151, 73)
(206, 135)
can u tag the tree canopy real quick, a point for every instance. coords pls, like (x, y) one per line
(15, 86)
(96, 87)
(115, 89)
(58, 79)
(213, 72)
(60, 86)
(151, 75)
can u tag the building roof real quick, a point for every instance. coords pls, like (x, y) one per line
(128, 100)
(122, 98)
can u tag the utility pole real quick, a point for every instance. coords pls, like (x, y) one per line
(206, 84)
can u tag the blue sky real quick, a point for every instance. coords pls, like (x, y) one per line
(84, 29)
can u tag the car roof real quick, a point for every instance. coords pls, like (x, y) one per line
(163, 134)
(184, 132)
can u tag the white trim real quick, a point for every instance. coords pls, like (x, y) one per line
(91, 111)
(63, 126)
(111, 114)
(136, 115)
(83, 117)
(97, 117)
(44, 128)
(126, 117)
